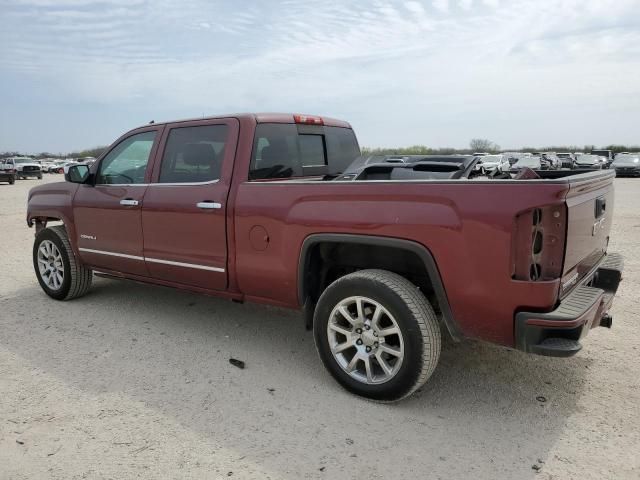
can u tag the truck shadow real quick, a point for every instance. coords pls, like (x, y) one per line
(486, 410)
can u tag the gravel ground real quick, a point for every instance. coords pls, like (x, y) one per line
(134, 381)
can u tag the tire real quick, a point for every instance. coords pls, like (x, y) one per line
(40, 177)
(12, 180)
(404, 308)
(76, 278)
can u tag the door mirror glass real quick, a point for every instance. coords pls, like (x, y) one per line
(76, 173)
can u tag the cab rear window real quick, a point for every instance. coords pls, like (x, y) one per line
(289, 150)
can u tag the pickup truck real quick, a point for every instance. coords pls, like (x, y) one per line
(381, 255)
(25, 167)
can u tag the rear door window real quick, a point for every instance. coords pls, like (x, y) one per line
(193, 154)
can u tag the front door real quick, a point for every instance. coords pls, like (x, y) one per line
(184, 210)
(107, 213)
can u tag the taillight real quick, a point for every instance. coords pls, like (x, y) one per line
(538, 243)
(308, 119)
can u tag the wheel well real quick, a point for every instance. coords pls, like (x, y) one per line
(327, 257)
(42, 222)
(328, 261)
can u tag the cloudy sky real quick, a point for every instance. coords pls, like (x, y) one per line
(78, 73)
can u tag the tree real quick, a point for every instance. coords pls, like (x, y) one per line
(483, 145)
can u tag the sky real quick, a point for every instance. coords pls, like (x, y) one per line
(78, 73)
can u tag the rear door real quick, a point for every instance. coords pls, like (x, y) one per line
(107, 214)
(184, 210)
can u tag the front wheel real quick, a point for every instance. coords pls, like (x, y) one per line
(377, 334)
(12, 180)
(58, 272)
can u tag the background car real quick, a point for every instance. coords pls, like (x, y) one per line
(567, 159)
(627, 164)
(25, 167)
(526, 161)
(606, 154)
(587, 160)
(7, 172)
(550, 161)
(489, 163)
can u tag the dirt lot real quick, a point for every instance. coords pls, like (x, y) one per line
(133, 381)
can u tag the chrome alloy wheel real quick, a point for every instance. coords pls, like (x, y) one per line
(50, 265)
(365, 340)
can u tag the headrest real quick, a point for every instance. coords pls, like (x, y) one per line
(276, 153)
(198, 154)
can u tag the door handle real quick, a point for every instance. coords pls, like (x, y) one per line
(209, 205)
(129, 202)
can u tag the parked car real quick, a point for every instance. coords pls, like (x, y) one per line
(490, 163)
(25, 167)
(627, 164)
(567, 159)
(7, 172)
(526, 161)
(606, 154)
(46, 165)
(590, 161)
(281, 209)
(58, 167)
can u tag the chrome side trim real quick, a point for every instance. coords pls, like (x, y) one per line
(121, 185)
(179, 184)
(112, 254)
(153, 260)
(187, 265)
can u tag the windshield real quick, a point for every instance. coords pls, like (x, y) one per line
(531, 162)
(627, 159)
(22, 160)
(588, 159)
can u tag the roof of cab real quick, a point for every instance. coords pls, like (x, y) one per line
(264, 118)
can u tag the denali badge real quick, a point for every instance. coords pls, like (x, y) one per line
(88, 237)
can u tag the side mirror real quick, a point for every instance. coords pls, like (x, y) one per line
(76, 173)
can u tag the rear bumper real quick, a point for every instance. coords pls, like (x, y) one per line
(558, 333)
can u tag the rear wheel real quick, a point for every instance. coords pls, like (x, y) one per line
(58, 272)
(377, 334)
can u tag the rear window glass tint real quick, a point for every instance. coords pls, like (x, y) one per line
(280, 151)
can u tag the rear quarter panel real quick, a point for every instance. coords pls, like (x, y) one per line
(467, 227)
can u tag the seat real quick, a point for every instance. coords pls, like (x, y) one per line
(203, 157)
(276, 153)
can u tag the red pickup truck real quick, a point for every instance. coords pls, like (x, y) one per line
(381, 254)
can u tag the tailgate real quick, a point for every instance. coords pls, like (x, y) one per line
(590, 212)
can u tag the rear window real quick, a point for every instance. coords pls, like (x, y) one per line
(289, 150)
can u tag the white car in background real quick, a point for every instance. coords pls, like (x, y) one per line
(489, 163)
(25, 167)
